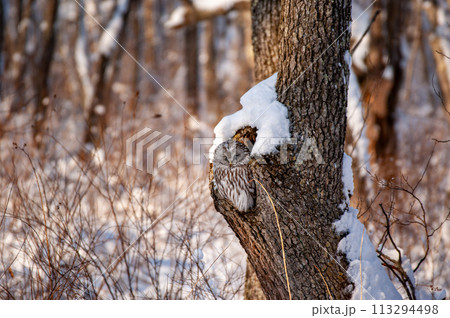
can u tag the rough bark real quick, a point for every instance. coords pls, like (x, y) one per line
(266, 15)
(312, 84)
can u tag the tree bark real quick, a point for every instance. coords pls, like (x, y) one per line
(266, 15)
(312, 83)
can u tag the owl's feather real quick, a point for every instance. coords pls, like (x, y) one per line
(232, 175)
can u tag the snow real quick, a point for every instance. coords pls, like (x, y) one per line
(100, 109)
(82, 63)
(388, 73)
(430, 293)
(348, 59)
(260, 109)
(110, 34)
(360, 252)
(356, 123)
(177, 17)
(406, 265)
(68, 11)
(347, 176)
(361, 20)
(198, 254)
(208, 5)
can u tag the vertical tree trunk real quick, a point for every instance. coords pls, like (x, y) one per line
(191, 63)
(96, 121)
(41, 76)
(381, 84)
(437, 42)
(312, 83)
(252, 287)
(266, 15)
(2, 30)
(209, 71)
(149, 53)
(18, 44)
(139, 40)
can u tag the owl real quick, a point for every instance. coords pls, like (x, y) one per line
(232, 175)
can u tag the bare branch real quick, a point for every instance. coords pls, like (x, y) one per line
(374, 17)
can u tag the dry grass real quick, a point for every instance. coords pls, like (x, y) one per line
(96, 229)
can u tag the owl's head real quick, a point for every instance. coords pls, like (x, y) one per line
(231, 154)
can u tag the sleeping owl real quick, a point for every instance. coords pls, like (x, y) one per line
(233, 176)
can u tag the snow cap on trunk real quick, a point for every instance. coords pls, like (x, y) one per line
(260, 109)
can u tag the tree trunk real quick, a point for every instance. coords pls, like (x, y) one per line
(381, 84)
(191, 62)
(252, 287)
(312, 83)
(437, 43)
(96, 122)
(149, 42)
(209, 73)
(2, 28)
(266, 16)
(42, 71)
(19, 66)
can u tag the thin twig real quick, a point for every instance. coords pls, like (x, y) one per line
(326, 285)
(44, 211)
(365, 32)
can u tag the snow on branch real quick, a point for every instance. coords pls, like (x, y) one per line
(82, 61)
(191, 12)
(260, 109)
(110, 34)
